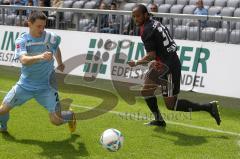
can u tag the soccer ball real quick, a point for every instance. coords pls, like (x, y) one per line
(112, 139)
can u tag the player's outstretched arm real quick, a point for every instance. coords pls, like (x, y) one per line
(29, 60)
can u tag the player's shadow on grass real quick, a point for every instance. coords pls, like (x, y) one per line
(66, 149)
(184, 139)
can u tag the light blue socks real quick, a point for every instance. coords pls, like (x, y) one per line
(67, 116)
(3, 121)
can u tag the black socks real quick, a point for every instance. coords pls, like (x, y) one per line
(153, 106)
(187, 106)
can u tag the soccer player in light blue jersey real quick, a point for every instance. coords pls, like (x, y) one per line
(36, 50)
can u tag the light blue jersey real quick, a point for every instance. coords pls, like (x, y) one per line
(36, 80)
(36, 76)
(201, 11)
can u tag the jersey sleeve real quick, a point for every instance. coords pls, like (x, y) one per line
(20, 47)
(56, 43)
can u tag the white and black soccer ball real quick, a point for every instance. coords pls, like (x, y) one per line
(112, 139)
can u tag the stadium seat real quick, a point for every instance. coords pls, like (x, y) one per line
(227, 11)
(186, 22)
(68, 4)
(78, 4)
(214, 10)
(67, 16)
(235, 37)
(193, 2)
(233, 3)
(237, 14)
(159, 2)
(237, 26)
(221, 35)
(171, 2)
(183, 2)
(169, 28)
(127, 18)
(235, 34)
(189, 9)
(10, 19)
(220, 3)
(192, 33)
(17, 20)
(129, 6)
(83, 23)
(177, 9)
(90, 5)
(97, 2)
(164, 8)
(208, 34)
(107, 1)
(180, 32)
(5, 15)
(208, 3)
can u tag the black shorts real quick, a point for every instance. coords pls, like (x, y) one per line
(169, 79)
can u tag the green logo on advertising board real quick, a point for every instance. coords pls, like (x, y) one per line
(95, 59)
(8, 42)
(92, 64)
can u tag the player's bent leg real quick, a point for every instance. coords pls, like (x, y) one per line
(16, 96)
(49, 99)
(151, 100)
(56, 118)
(59, 118)
(172, 103)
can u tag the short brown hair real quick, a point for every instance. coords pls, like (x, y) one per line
(36, 15)
(142, 8)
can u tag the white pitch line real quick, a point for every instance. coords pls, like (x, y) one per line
(4, 92)
(169, 122)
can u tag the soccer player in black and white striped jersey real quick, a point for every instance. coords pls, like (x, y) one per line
(165, 69)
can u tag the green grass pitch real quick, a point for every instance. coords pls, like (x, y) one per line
(194, 135)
